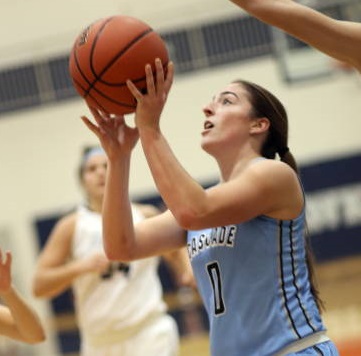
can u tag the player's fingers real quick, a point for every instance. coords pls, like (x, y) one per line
(119, 119)
(93, 110)
(149, 79)
(169, 78)
(8, 258)
(160, 74)
(90, 125)
(97, 116)
(105, 116)
(134, 90)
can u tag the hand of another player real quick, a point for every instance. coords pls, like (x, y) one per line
(151, 104)
(5, 272)
(115, 136)
(97, 263)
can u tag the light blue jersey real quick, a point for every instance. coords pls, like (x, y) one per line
(253, 279)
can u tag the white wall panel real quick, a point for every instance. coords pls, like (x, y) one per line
(38, 28)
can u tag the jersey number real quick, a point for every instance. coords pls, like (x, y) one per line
(216, 282)
(114, 267)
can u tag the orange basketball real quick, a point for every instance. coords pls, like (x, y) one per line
(106, 54)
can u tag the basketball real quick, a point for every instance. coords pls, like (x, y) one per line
(106, 54)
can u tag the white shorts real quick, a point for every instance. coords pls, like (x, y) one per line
(158, 338)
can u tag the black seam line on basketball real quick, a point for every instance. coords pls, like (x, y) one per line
(111, 99)
(106, 97)
(80, 71)
(293, 264)
(280, 237)
(133, 80)
(119, 54)
(94, 44)
(101, 107)
(77, 62)
(78, 84)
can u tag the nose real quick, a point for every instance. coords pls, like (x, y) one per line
(208, 110)
(101, 170)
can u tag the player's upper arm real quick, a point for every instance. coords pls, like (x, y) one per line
(7, 325)
(157, 236)
(264, 188)
(5, 317)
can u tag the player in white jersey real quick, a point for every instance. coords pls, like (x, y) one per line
(338, 39)
(119, 306)
(246, 235)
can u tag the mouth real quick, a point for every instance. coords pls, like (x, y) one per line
(208, 125)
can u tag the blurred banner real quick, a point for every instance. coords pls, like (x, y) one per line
(333, 190)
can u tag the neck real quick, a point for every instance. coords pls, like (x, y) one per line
(95, 205)
(232, 169)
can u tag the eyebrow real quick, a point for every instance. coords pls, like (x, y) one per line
(226, 93)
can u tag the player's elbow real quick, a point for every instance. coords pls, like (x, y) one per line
(37, 289)
(189, 219)
(122, 253)
(114, 256)
(41, 288)
(36, 338)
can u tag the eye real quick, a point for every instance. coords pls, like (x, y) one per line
(226, 101)
(90, 169)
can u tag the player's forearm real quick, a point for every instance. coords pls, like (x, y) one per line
(304, 23)
(50, 282)
(27, 322)
(182, 194)
(118, 230)
(278, 13)
(180, 265)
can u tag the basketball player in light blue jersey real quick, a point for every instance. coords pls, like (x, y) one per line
(245, 236)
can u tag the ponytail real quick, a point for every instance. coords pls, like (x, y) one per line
(287, 157)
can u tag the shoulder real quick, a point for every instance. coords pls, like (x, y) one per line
(66, 224)
(273, 177)
(281, 184)
(61, 236)
(269, 170)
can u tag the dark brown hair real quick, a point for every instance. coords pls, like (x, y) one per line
(265, 104)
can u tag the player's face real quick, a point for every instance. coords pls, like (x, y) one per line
(94, 175)
(227, 119)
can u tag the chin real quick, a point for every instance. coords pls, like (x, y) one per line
(208, 146)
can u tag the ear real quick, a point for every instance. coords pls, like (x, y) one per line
(259, 125)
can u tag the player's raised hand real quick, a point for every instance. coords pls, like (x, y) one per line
(115, 136)
(150, 104)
